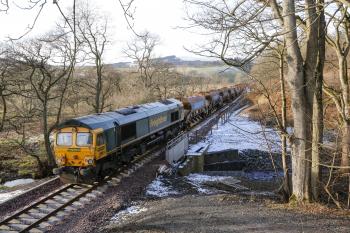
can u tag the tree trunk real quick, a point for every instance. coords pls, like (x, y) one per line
(50, 157)
(41, 168)
(98, 86)
(345, 147)
(4, 111)
(317, 116)
(300, 145)
(317, 139)
(345, 100)
(286, 185)
(301, 109)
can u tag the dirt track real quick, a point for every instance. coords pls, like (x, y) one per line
(223, 213)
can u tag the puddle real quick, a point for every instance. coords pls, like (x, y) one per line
(17, 182)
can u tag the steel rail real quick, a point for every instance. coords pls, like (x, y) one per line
(52, 213)
(26, 192)
(36, 203)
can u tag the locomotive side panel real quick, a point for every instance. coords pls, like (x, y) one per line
(158, 121)
(111, 138)
(142, 128)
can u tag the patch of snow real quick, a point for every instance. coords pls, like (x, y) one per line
(199, 180)
(128, 212)
(17, 182)
(8, 195)
(159, 189)
(240, 133)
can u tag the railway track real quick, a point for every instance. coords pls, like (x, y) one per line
(53, 208)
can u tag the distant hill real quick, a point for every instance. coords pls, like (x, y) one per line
(173, 60)
(194, 63)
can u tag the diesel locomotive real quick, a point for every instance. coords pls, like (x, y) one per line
(87, 148)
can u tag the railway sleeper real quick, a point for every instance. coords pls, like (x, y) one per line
(45, 208)
(70, 209)
(112, 183)
(26, 215)
(5, 228)
(92, 195)
(36, 213)
(61, 200)
(17, 226)
(97, 192)
(67, 194)
(28, 221)
(14, 221)
(54, 202)
(75, 190)
(78, 204)
(61, 215)
(53, 205)
(116, 179)
(44, 226)
(36, 230)
(84, 200)
(54, 220)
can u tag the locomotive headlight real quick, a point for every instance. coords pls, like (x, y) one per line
(89, 160)
(61, 160)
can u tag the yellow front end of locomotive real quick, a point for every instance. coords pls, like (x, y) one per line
(78, 147)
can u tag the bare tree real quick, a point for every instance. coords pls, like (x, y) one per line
(92, 31)
(8, 84)
(243, 32)
(141, 51)
(340, 43)
(165, 82)
(46, 64)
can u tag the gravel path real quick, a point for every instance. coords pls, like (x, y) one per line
(222, 213)
(94, 215)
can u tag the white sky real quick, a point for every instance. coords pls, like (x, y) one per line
(160, 17)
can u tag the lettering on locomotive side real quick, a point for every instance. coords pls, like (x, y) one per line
(156, 121)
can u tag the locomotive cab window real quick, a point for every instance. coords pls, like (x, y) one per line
(64, 139)
(100, 140)
(84, 139)
(174, 116)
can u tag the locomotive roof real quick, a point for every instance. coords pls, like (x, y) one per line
(122, 116)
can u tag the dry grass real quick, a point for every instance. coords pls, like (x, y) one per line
(310, 208)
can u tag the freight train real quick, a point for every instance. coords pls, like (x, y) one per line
(89, 147)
